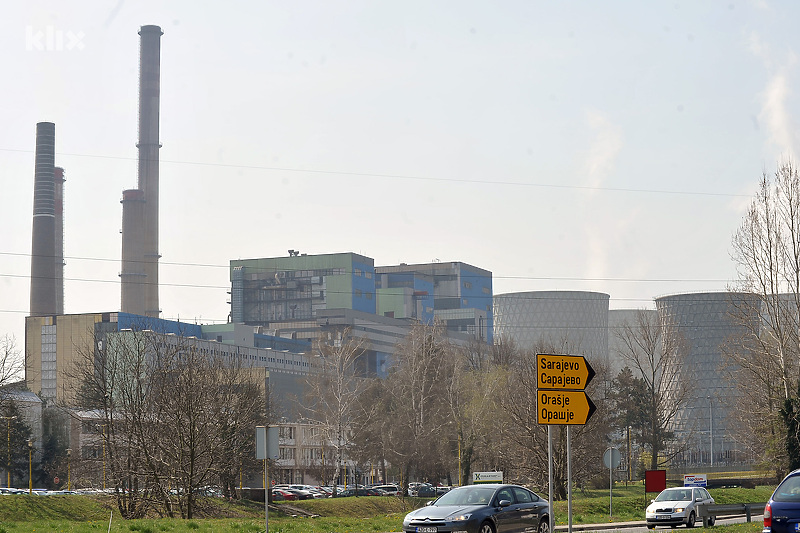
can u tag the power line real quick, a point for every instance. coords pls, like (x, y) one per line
(465, 276)
(405, 176)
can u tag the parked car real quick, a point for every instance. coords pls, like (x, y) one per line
(282, 494)
(677, 506)
(782, 512)
(314, 491)
(426, 491)
(389, 490)
(413, 487)
(482, 509)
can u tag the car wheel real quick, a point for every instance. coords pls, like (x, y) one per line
(486, 527)
(711, 520)
(544, 526)
(649, 526)
(690, 521)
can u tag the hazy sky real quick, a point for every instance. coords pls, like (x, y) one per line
(607, 146)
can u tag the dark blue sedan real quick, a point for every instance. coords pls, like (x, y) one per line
(490, 508)
(782, 512)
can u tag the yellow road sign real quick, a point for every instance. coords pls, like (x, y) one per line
(563, 372)
(563, 407)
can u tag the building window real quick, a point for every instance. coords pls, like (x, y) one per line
(357, 293)
(486, 290)
(467, 285)
(286, 453)
(286, 432)
(369, 296)
(464, 302)
(357, 272)
(368, 274)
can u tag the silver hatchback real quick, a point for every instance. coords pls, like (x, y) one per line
(677, 506)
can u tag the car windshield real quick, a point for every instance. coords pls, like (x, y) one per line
(788, 491)
(675, 495)
(466, 496)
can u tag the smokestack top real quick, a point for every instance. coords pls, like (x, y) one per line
(150, 29)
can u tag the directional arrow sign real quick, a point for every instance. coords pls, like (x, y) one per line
(563, 372)
(563, 407)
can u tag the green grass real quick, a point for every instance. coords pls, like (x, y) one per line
(628, 503)
(85, 514)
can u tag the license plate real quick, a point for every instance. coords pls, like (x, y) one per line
(426, 529)
(664, 517)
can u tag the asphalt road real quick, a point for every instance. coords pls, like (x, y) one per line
(641, 527)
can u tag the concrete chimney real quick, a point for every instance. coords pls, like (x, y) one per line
(140, 254)
(44, 299)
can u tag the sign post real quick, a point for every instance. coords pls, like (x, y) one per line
(266, 448)
(561, 400)
(611, 459)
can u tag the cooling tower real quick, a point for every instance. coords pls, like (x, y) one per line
(140, 255)
(44, 299)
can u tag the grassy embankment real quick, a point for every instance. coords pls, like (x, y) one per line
(86, 514)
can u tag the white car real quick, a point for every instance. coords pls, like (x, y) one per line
(676, 506)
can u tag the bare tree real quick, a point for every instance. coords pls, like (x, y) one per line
(334, 387)
(766, 249)
(656, 352)
(173, 417)
(12, 365)
(522, 441)
(416, 404)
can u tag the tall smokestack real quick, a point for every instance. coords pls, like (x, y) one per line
(43, 249)
(140, 206)
(58, 182)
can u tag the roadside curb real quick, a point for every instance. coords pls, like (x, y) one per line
(601, 527)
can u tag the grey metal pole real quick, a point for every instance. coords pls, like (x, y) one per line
(550, 473)
(610, 486)
(569, 482)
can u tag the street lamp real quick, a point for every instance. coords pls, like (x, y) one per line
(711, 427)
(8, 462)
(30, 466)
(69, 464)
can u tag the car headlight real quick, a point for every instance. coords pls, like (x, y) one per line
(678, 510)
(459, 517)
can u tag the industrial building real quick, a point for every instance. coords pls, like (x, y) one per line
(57, 345)
(461, 298)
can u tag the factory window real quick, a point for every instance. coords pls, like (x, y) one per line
(467, 285)
(486, 290)
(464, 301)
(368, 275)
(369, 296)
(357, 272)
(357, 293)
